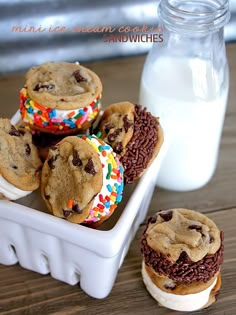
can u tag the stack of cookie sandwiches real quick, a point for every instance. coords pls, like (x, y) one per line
(83, 169)
(182, 254)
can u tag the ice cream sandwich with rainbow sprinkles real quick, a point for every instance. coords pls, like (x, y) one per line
(82, 180)
(60, 98)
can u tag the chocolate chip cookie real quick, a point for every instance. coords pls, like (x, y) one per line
(60, 97)
(182, 254)
(19, 161)
(81, 180)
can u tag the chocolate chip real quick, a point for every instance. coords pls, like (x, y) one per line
(62, 100)
(183, 257)
(108, 126)
(47, 197)
(51, 161)
(77, 209)
(66, 213)
(153, 219)
(14, 132)
(79, 77)
(118, 148)
(76, 161)
(196, 227)
(37, 87)
(89, 167)
(166, 215)
(127, 123)
(27, 149)
(112, 137)
(22, 132)
(15, 167)
(170, 286)
(48, 87)
(211, 239)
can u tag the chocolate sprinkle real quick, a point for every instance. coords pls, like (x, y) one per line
(89, 167)
(140, 148)
(112, 136)
(79, 77)
(76, 161)
(166, 215)
(127, 123)
(183, 270)
(27, 149)
(14, 132)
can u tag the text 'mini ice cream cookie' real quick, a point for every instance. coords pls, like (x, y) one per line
(19, 162)
(182, 254)
(60, 98)
(82, 180)
(134, 134)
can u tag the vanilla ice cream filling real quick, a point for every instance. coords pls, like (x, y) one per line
(10, 191)
(187, 302)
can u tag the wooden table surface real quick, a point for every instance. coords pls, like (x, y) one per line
(26, 292)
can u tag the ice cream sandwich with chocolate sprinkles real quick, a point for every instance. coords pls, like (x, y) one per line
(182, 254)
(134, 134)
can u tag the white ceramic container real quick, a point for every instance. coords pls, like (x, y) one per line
(69, 252)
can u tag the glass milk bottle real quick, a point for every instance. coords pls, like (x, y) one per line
(185, 82)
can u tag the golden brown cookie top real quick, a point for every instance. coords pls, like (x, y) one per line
(182, 230)
(63, 85)
(117, 125)
(71, 179)
(19, 159)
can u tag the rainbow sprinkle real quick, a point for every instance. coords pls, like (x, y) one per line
(111, 194)
(33, 113)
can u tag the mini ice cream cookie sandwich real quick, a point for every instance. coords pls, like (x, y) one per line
(134, 134)
(182, 254)
(60, 98)
(82, 180)
(19, 162)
